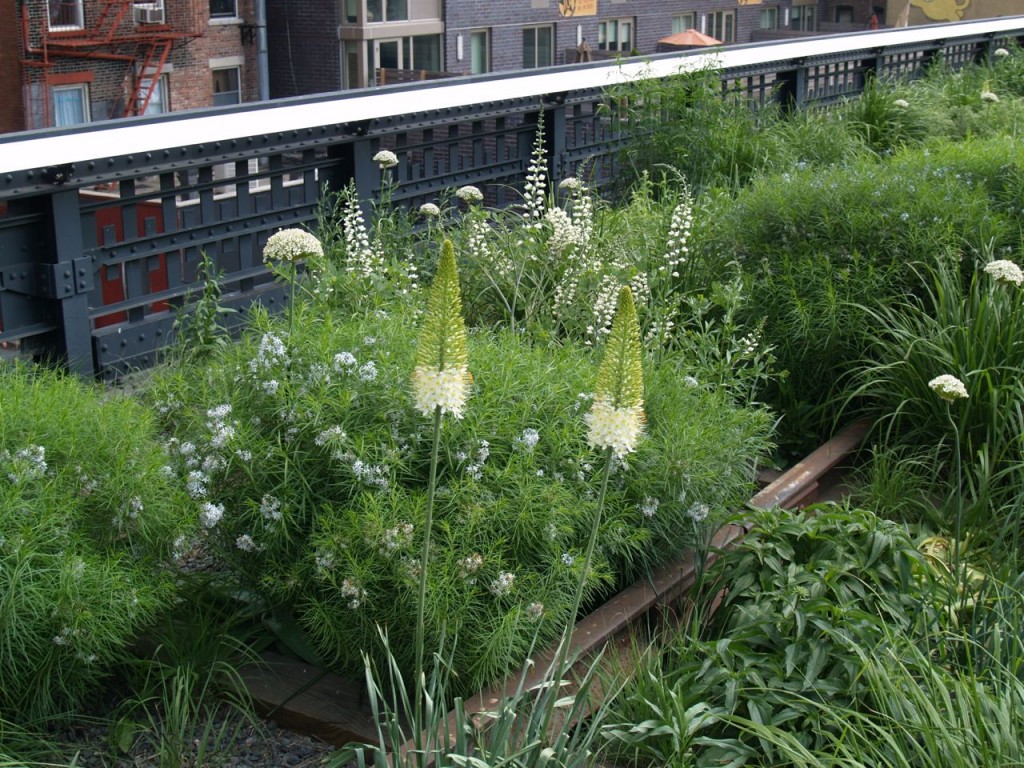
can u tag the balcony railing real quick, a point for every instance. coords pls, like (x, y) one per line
(102, 227)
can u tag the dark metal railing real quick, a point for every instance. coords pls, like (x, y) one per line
(102, 228)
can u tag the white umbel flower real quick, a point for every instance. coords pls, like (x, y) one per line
(291, 245)
(469, 194)
(1005, 271)
(386, 159)
(948, 387)
(447, 390)
(989, 96)
(429, 209)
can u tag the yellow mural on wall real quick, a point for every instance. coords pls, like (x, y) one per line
(942, 10)
(577, 7)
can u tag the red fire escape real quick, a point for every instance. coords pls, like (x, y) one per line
(139, 33)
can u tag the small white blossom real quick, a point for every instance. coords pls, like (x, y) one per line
(368, 371)
(344, 362)
(386, 159)
(245, 543)
(270, 507)
(988, 96)
(1005, 271)
(354, 591)
(329, 435)
(569, 184)
(271, 386)
(901, 103)
(529, 438)
(948, 387)
(503, 584)
(429, 209)
(698, 512)
(649, 507)
(1000, 53)
(534, 611)
(568, 559)
(211, 514)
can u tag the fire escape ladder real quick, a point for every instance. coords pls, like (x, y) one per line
(109, 20)
(146, 80)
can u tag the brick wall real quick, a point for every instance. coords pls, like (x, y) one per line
(12, 116)
(304, 47)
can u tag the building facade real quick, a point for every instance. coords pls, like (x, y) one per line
(78, 61)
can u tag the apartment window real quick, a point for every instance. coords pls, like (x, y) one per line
(769, 18)
(426, 52)
(844, 14)
(70, 105)
(615, 35)
(221, 9)
(802, 18)
(351, 11)
(722, 25)
(158, 101)
(683, 22)
(479, 51)
(226, 88)
(66, 14)
(387, 10)
(538, 47)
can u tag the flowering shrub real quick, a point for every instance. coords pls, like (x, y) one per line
(314, 456)
(87, 517)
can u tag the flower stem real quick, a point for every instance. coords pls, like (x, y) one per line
(427, 523)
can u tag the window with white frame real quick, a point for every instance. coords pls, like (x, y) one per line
(615, 35)
(480, 51)
(722, 25)
(538, 47)
(65, 14)
(226, 86)
(70, 104)
(769, 18)
(683, 22)
(223, 9)
(803, 18)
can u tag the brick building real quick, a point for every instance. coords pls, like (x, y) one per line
(79, 61)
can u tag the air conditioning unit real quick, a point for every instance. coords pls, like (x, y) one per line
(149, 13)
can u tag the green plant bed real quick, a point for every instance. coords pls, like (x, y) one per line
(87, 519)
(315, 482)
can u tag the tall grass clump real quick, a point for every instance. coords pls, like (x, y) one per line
(88, 518)
(964, 320)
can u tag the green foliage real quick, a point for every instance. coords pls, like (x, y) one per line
(811, 597)
(966, 323)
(87, 516)
(321, 468)
(882, 121)
(200, 329)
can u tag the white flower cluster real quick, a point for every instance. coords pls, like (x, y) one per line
(445, 389)
(679, 230)
(604, 307)
(475, 469)
(469, 194)
(271, 352)
(270, 507)
(989, 97)
(291, 245)
(948, 387)
(25, 465)
(615, 428)
(649, 507)
(1005, 271)
(373, 475)
(211, 514)
(221, 430)
(386, 159)
(568, 559)
(246, 543)
(564, 233)
(430, 210)
(396, 538)
(534, 611)
(329, 436)
(698, 512)
(352, 590)
(535, 188)
(1000, 53)
(528, 439)
(901, 103)
(503, 584)
(363, 259)
(468, 566)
